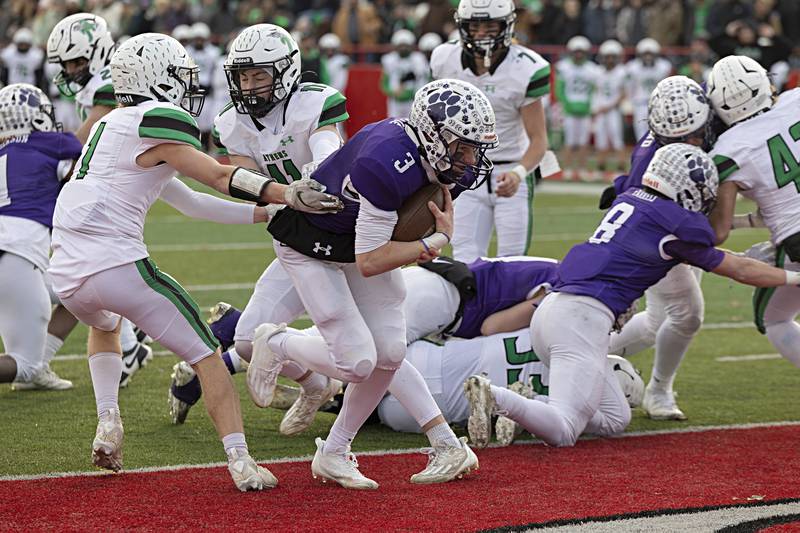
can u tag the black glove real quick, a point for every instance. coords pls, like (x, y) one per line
(608, 197)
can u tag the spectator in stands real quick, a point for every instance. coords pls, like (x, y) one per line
(404, 73)
(723, 12)
(790, 11)
(766, 14)
(785, 74)
(599, 19)
(47, 16)
(438, 19)
(571, 24)
(746, 38)
(632, 23)
(665, 22)
(111, 11)
(700, 61)
(357, 23)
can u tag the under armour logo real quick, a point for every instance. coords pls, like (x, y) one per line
(319, 248)
(287, 140)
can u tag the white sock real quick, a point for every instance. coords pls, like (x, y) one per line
(106, 370)
(785, 336)
(360, 399)
(538, 418)
(410, 389)
(127, 338)
(636, 335)
(314, 383)
(234, 440)
(671, 346)
(442, 435)
(293, 371)
(51, 346)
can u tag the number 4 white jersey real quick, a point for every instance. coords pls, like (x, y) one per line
(762, 156)
(278, 143)
(99, 217)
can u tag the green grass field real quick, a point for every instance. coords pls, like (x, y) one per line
(52, 431)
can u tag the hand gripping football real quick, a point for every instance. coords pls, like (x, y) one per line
(414, 219)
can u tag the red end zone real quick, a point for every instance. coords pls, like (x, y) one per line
(518, 485)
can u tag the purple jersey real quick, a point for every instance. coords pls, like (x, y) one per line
(30, 164)
(502, 283)
(632, 250)
(380, 163)
(640, 158)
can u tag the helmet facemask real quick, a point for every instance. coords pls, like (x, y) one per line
(47, 120)
(70, 85)
(193, 94)
(258, 101)
(464, 163)
(486, 46)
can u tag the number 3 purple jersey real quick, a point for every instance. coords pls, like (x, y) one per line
(380, 163)
(502, 283)
(626, 255)
(642, 154)
(30, 165)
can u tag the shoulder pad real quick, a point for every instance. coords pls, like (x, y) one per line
(170, 124)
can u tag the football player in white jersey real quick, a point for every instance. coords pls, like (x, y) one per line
(82, 46)
(515, 80)
(281, 127)
(336, 63)
(644, 72)
(759, 158)
(206, 55)
(606, 99)
(21, 61)
(100, 266)
(576, 79)
(404, 72)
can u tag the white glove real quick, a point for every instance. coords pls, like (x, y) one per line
(762, 251)
(308, 169)
(309, 196)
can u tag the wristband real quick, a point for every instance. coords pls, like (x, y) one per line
(520, 171)
(792, 278)
(247, 184)
(438, 240)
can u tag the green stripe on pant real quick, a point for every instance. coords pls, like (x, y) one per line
(762, 295)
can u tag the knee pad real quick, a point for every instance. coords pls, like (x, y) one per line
(390, 354)
(25, 369)
(356, 369)
(688, 318)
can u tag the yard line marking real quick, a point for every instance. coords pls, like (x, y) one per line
(306, 458)
(751, 357)
(220, 287)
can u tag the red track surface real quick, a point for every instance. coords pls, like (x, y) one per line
(516, 485)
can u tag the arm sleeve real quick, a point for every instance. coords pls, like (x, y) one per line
(706, 257)
(323, 143)
(374, 227)
(204, 206)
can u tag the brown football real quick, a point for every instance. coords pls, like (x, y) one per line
(414, 219)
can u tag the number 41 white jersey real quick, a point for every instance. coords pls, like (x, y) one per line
(762, 156)
(278, 143)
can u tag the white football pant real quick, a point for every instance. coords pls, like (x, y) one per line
(776, 310)
(431, 303)
(608, 130)
(577, 131)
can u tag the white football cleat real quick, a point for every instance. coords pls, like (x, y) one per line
(284, 396)
(478, 391)
(107, 444)
(182, 374)
(265, 365)
(302, 413)
(246, 474)
(660, 405)
(45, 379)
(343, 469)
(132, 360)
(505, 429)
(447, 463)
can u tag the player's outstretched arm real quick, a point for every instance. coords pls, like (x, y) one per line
(721, 217)
(755, 273)
(207, 207)
(245, 184)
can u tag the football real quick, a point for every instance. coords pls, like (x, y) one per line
(414, 219)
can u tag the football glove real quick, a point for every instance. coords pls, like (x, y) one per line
(309, 196)
(608, 197)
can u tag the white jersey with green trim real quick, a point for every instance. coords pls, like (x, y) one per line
(521, 77)
(609, 86)
(762, 156)
(278, 143)
(22, 67)
(644, 78)
(98, 221)
(98, 91)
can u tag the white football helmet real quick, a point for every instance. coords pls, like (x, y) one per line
(611, 47)
(685, 174)
(629, 379)
(81, 35)
(403, 38)
(739, 88)
(200, 30)
(153, 66)
(25, 109)
(452, 111)
(678, 109)
(473, 11)
(23, 36)
(270, 48)
(579, 43)
(330, 41)
(648, 45)
(429, 41)
(182, 32)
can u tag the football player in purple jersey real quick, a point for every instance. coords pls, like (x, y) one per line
(346, 268)
(646, 233)
(678, 111)
(35, 156)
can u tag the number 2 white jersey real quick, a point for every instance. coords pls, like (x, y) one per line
(762, 156)
(278, 143)
(643, 79)
(522, 77)
(98, 91)
(99, 218)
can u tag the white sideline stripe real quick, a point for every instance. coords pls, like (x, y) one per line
(380, 453)
(751, 357)
(220, 287)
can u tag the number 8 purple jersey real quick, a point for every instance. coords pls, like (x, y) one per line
(627, 254)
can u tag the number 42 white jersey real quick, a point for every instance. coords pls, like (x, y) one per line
(762, 156)
(278, 143)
